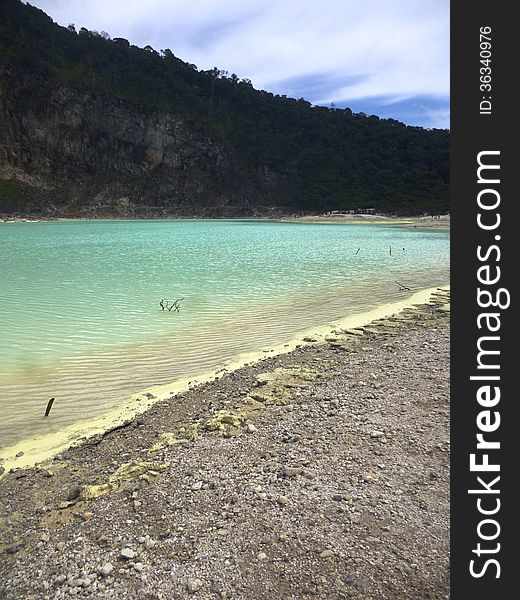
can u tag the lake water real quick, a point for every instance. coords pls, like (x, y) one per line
(79, 301)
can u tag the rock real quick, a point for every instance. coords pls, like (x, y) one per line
(138, 567)
(261, 556)
(14, 548)
(338, 498)
(326, 554)
(292, 471)
(127, 553)
(74, 493)
(2, 471)
(106, 569)
(282, 500)
(377, 434)
(197, 485)
(61, 579)
(360, 584)
(194, 585)
(250, 428)
(373, 540)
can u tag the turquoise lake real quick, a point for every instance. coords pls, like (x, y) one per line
(79, 301)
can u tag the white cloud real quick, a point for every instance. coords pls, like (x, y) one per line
(396, 50)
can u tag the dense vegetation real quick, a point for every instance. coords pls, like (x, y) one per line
(329, 158)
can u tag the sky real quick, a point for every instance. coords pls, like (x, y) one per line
(383, 57)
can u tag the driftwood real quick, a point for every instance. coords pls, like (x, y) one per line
(96, 440)
(403, 287)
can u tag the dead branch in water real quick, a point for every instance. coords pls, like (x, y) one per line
(49, 406)
(165, 304)
(403, 287)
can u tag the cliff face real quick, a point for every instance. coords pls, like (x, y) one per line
(85, 155)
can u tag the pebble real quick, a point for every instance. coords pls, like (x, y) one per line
(292, 471)
(282, 500)
(250, 428)
(377, 434)
(373, 540)
(14, 548)
(326, 554)
(261, 556)
(194, 585)
(106, 569)
(127, 553)
(197, 485)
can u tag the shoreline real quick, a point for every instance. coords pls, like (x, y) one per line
(322, 472)
(441, 222)
(30, 451)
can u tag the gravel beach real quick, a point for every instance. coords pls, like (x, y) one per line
(318, 474)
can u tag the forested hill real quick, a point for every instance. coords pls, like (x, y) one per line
(91, 125)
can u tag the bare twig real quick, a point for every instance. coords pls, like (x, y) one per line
(165, 304)
(403, 287)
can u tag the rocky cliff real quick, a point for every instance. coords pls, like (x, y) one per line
(72, 154)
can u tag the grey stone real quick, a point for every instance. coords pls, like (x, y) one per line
(106, 569)
(127, 553)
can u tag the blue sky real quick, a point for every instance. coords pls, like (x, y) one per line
(383, 57)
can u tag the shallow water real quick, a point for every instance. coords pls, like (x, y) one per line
(79, 301)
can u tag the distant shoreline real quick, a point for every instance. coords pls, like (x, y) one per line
(429, 221)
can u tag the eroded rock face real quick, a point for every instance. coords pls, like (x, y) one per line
(88, 155)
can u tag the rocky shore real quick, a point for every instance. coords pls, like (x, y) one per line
(322, 473)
